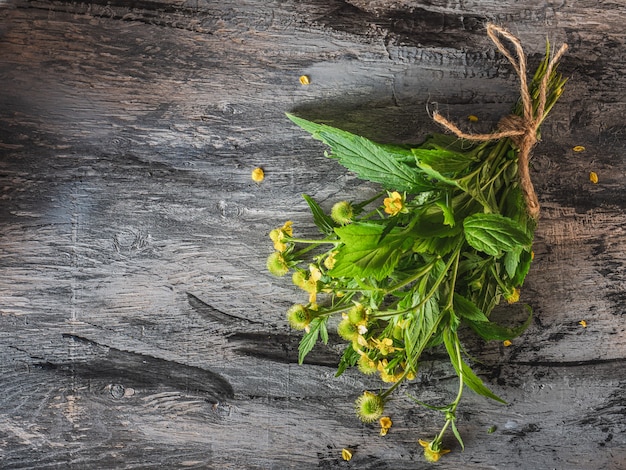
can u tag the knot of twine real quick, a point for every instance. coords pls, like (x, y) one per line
(521, 129)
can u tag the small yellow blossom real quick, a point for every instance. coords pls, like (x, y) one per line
(305, 80)
(394, 204)
(472, 118)
(506, 343)
(512, 297)
(385, 346)
(385, 425)
(583, 323)
(278, 236)
(311, 284)
(346, 454)
(578, 148)
(330, 260)
(258, 175)
(593, 177)
(432, 453)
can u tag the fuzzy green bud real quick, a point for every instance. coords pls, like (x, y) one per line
(369, 407)
(299, 279)
(342, 212)
(347, 330)
(357, 314)
(298, 317)
(366, 365)
(277, 265)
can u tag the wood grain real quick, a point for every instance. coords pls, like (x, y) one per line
(138, 326)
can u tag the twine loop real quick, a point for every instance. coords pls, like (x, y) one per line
(522, 130)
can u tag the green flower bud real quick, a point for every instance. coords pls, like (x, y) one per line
(277, 265)
(298, 317)
(298, 279)
(342, 212)
(366, 365)
(369, 407)
(347, 330)
(357, 314)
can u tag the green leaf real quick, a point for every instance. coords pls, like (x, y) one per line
(457, 435)
(468, 310)
(469, 377)
(323, 221)
(494, 233)
(448, 213)
(384, 164)
(511, 261)
(422, 325)
(310, 338)
(492, 331)
(363, 254)
(443, 160)
(523, 267)
(348, 359)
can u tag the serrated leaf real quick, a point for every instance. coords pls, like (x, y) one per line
(492, 331)
(348, 359)
(511, 261)
(468, 310)
(523, 267)
(443, 160)
(322, 221)
(363, 253)
(469, 377)
(384, 164)
(310, 338)
(494, 233)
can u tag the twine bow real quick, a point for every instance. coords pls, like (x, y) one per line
(521, 129)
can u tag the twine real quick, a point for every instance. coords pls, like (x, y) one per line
(521, 129)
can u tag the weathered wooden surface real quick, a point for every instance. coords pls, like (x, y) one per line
(138, 325)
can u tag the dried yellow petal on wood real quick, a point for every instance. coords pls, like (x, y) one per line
(258, 175)
(346, 454)
(506, 343)
(472, 118)
(305, 80)
(593, 177)
(578, 148)
(583, 323)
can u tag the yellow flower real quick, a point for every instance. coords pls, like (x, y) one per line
(432, 450)
(385, 346)
(583, 323)
(394, 204)
(385, 425)
(506, 343)
(593, 177)
(330, 260)
(512, 297)
(258, 175)
(304, 80)
(278, 236)
(311, 284)
(346, 454)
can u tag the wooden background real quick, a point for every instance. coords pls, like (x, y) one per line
(138, 326)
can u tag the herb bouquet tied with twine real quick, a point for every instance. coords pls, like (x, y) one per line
(447, 240)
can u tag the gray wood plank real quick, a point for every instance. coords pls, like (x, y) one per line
(138, 326)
